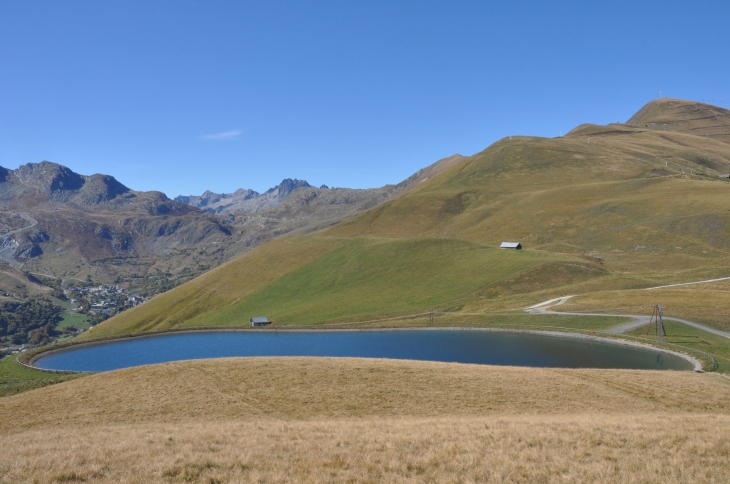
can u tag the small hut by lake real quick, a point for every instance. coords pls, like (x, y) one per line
(260, 321)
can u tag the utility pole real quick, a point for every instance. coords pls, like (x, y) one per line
(660, 324)
(656, 316)
(431, 316)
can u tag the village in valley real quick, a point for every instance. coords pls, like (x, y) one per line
(102, 301)
(35, 321)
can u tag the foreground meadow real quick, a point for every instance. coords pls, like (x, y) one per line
(359, 420)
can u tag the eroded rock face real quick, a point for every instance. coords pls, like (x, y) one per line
(25, 246)
(39, 237)
(27, 251)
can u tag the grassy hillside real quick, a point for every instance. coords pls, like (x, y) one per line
(366, 275)
(17, 379)
(603, 208)
(220, 287)
(358, 420)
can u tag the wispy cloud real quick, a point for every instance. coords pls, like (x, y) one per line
(232, 134)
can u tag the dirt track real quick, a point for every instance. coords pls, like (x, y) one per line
(639, 320)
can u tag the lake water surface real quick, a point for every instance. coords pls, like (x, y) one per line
(463, 346)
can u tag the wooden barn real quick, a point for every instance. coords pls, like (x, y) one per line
(511, 245)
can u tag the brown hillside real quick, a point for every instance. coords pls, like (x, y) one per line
(685, 117)
(359, 420)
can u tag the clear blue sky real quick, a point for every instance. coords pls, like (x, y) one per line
(184, 96)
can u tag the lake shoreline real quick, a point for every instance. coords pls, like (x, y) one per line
(697, 364)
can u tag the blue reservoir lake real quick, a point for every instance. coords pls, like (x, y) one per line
(454, 345)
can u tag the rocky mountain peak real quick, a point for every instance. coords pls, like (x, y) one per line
(60, 183)
(246, 193)
(209, 195)
(287, 186)
(46, 177)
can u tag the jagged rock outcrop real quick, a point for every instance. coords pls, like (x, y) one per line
(243, 200)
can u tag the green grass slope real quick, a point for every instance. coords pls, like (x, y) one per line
(16, 379)
(605, 207)
(216, 289)
(370, 276)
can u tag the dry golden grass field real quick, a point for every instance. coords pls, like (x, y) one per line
(358, 420)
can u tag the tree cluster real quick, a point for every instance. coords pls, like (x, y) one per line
(33, 321)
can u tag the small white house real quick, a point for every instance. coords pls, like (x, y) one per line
(260, 321)
(511, 245)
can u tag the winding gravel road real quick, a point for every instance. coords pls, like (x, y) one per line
(33, 223)
(639, 320)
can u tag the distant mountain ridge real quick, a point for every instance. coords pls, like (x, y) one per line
(58, 223)
(243, 200)
(247, 200)
(59, 183)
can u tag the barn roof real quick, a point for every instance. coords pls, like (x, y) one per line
(260, 319)
(509, 245)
